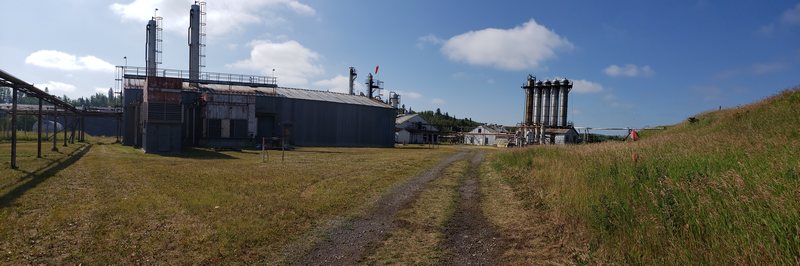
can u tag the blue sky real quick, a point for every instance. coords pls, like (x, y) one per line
(634, 63)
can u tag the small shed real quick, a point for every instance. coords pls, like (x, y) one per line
(561, 136)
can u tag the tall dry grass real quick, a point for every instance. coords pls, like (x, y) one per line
(723, 190)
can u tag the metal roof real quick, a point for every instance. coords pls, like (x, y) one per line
(291, 93)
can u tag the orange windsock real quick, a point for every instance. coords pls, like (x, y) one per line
(634, 135)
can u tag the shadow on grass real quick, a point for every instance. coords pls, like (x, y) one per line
(199, 154)
(38, 176)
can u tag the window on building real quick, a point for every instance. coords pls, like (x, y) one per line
(214, 128)
(238, 128)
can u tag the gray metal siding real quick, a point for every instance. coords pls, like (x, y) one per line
(318, 123)
(130, 126)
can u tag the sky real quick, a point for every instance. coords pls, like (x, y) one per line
(633, 63)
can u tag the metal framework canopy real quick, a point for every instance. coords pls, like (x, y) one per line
(8, 80)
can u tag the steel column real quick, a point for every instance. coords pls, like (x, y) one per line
(14, 128)
(55, 127)
(65, 129)
(39, 131)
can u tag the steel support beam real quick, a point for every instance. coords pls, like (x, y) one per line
(55, 130)
(39, 131)
(14, 128)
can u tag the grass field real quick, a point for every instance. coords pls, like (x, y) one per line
(106, 203)
(722, 190)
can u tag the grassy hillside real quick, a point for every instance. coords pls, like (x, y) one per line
(724, 190)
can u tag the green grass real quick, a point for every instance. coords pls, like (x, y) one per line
(113, 204)
(723, 190)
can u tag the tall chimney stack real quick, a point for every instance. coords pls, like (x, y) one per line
(150, 53)
(353, 76)
(194, 42)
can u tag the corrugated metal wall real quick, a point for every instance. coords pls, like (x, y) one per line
(321, 123)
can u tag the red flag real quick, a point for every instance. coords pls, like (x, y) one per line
(376, 69)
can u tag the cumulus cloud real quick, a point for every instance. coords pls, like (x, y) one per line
(585, 86)
(64, 61)
(629, 70)
(522, 47)
(223, 16)
(294, 64)
(339, 83)
(57, 88)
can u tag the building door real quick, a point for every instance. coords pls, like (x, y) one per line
(265, 127)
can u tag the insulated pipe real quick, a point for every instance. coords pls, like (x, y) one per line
(537, 106)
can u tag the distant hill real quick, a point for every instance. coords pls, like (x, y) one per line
(719, 188)
(447, 123)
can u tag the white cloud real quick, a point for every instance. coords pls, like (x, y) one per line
(629, 70)
(339, 83)
(64, 61)
(410, 94)
(522, 47)
(56, 88)
(223, 16)
(585, 86)
(438, 101)
(294, 64)
(428, 39)
(791, 16)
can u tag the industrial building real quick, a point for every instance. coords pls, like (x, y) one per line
(545, 115)
(166, 110)
(413, 129)
(487, 135)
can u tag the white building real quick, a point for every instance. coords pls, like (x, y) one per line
(413, 129)
(487, 135)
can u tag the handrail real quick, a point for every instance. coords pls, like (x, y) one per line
(204, 76)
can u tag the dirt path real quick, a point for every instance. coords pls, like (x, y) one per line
(346, 245)
(470, 238)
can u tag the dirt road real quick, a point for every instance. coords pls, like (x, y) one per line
(470, 238)
(348, 244)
